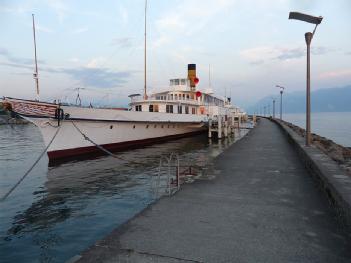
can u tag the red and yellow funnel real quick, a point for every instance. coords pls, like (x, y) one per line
(193, 80)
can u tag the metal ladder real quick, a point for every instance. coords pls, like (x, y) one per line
(167, 178)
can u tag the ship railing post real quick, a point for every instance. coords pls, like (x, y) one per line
(225, 129)
(169, 175)
(210, 128)
(219, 127)
(178, 173)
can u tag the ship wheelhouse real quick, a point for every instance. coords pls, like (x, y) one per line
(179, 98)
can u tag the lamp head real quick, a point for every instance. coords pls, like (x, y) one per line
(306, 18)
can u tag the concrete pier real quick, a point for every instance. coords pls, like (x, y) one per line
(263, 206)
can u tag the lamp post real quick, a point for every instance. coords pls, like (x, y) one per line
(273, 108)
(281, 100)
(308, 38)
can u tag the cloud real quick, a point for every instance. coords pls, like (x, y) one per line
(15, 10)
(257, 62)
(80, 30)
(43, 29)
(14, 65)
(260, 55)
(87, 76)
(60, 8)
(74, 60)
(188, 18)
(335, 74)
(124, 15)
(98, 77)
(122, 42)
(12, 59)
(96, 62)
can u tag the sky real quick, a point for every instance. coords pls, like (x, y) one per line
(248, 46)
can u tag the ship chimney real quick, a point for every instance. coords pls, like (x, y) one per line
(193, 80)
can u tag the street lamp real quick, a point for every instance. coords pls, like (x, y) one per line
(308, 38)
(281, 100)
(273, 107)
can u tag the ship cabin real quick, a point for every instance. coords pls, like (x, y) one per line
(180, 98)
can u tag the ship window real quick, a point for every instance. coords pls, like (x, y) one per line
(151, 108)
(147, 126)
(186, 109)
(180, 109)
(187, 96)
(111, 126)
(176, 82)
(183, 81)
(169, 108)
(168, 126)
(138, 108)
(193, 110)
(133, 126)
(162, 126)
(183, 96)
(156, 108)
(155, 126)
(175, 97)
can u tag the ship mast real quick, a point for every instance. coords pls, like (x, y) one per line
(209, 76)
(145, 95)
(35, 75)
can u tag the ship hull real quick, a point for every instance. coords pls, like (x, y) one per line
(111, 135)
(57, 155)
(81, 129)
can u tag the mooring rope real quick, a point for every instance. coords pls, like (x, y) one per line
(103, 149)
(31, 168)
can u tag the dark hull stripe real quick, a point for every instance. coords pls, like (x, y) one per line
(60, 156)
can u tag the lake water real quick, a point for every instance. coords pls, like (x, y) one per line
(333, 125)
(57, 212)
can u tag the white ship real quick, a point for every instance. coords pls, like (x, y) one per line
(180, 111)
(70, 130)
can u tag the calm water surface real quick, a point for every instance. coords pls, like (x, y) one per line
(57, 212)
(333, 125)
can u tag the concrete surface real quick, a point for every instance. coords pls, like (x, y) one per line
(331, 178)
(262, 207)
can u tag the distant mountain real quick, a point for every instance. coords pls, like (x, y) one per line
(323, 100)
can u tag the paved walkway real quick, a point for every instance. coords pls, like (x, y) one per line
(262, 207)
